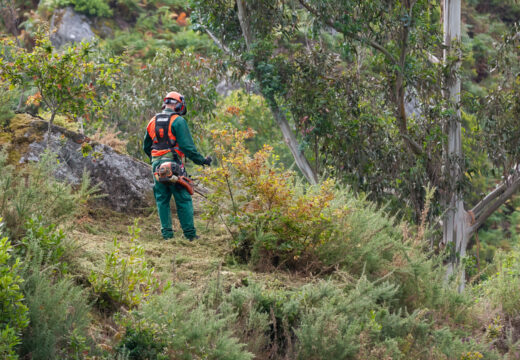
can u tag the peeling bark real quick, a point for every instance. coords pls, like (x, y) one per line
(455, 221)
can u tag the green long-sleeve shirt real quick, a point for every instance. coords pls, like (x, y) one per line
(182, 133)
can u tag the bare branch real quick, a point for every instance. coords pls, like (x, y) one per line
(485, 208)
(217, 42)
(488, 199)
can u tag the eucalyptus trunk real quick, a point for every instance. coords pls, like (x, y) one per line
(455, 231)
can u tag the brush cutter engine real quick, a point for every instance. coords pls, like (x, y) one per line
(173, 173)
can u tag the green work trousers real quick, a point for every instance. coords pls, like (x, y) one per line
(163, 194)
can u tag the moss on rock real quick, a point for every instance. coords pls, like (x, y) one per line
(5, 138)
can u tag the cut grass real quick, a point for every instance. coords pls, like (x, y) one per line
(194, 263)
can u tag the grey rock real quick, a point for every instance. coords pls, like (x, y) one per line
(127, 182)
(69, 27)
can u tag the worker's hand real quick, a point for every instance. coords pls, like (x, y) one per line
(207, 161)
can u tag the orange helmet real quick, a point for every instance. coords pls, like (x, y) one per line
(174, 97)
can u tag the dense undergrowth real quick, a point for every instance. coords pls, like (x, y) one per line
(376, 292)
(370, 285)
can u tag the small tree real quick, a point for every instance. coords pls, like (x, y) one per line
(68, 82)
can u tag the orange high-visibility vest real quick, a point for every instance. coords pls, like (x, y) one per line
(160, 131)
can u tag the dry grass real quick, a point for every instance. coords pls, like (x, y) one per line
(109, 138)
(178, 260)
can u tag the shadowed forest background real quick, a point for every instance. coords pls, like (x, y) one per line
(362, 202)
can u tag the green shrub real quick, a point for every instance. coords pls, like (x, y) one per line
(330, 320)
(127, 280)
(275, 220)
(6, 104)
(252, 308)
(13, 312)
(36, 194)
(502, 288)
(193, 41)
(46, 239)
(243, 111)
(58, 309)
(59, 317)
(174, 325)
(94, 8)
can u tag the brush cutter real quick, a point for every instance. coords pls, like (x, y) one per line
(174, 173)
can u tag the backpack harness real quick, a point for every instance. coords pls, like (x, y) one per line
(160, 130)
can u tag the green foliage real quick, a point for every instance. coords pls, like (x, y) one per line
(156, 30)
(94, 8)
(243, 111)
(354, 128)
(37, 195)
(143, 90)
(13, 311)
(57, 308)
(175, 325)
(331, 320)
(501, 106)
(68, 82)
(48, 244)
(126, 280)
(277, 221)
(49, 238)
(58, 312)
(6, 104)
(501, 287)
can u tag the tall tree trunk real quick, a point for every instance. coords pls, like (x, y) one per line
(288, 134)
(455, 232)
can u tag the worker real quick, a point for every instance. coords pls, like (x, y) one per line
(168, 139)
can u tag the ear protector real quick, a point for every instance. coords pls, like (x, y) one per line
(180, 104)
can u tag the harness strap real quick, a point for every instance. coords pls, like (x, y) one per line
(159, 129)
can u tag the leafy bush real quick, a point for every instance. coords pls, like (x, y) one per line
(125, 280)
(502, 288)
(38, 195)
(275, 220)
(174, 325)
(76, 81)
(94, 8)
(6, 104)
(244, 111)
(58, 309)
(331, 320)
(13, 312)
(47, 239)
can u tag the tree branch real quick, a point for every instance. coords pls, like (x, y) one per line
(217, 42)
(399, 93)
(244, 22)
(278, 114)
(488, 199)
(330, 23)
(485, 208)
